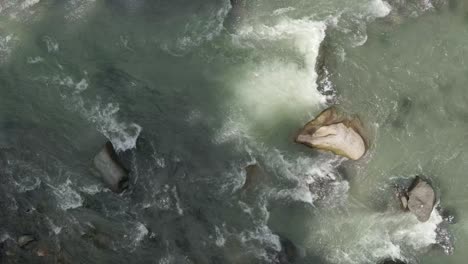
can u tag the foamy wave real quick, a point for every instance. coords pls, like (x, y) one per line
(233, 129)
(220, 239)
(67, 198)
(92, 189)
(78, 8)
(6, 46)
(29, 3)
(51, 44)
(18, 8)
(275, 89)
(284, 10)
(198, 31)
(263, 235)
(34, 60)
(177, 201)
(122, 135)
(139, 232)
(379, 8)
(366, 237)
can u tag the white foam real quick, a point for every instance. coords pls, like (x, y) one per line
(282, 11)
(427, 4)
(177, 201)
(6, 46)
(138, 234)
(77, 9)
(122, 135)
(198, 31)
(15, 8)
(81, 86)
(276, 86)
(366, 237)
(167, 260)
(92, 189)
(29, 3)
(220, 240)
(263, 235)
(379, 8)
(66, 197)
(158, 159)
(51, 44)
(56, 229)
(232, 129)
(304, 171)
(420, 235)
(34, 60)
(4, 237)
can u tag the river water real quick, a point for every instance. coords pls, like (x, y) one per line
(190, 95)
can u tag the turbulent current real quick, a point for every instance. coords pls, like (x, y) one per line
(192, 94)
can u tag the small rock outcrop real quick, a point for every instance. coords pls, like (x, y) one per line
(332, 131)
(110, 168)
(289, 253)
(421, 199)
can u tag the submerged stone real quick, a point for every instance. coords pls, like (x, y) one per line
(391, 261)
(289, 253)
(25, 240)
(236, 14)
(253, 175)
(332, 131)
(421, 199)
(110, 168)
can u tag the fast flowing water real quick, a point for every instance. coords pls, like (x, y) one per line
(190, 97)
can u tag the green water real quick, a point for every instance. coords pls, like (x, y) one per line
(189, 99)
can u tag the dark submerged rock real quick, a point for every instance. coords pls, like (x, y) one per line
(326, 60)
(112, 171)
(421, 199)
(449, 215)
(25, 240)
(254, 174)
(405, 106)
(391, 261)
(236, 14)
(289, 252)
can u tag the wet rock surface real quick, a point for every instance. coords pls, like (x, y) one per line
(112, 171)
(391, 261)
(25, 240)
(332, 131)
(421, 199)
(254, 175)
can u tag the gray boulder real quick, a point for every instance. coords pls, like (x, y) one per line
(421, 199)
(335, 132)
(112, 171)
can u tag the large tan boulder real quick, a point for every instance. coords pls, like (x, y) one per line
(335, 132)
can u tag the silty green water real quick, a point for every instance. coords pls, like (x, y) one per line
(189, 100)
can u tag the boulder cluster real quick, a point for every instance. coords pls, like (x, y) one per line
(344, 135)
